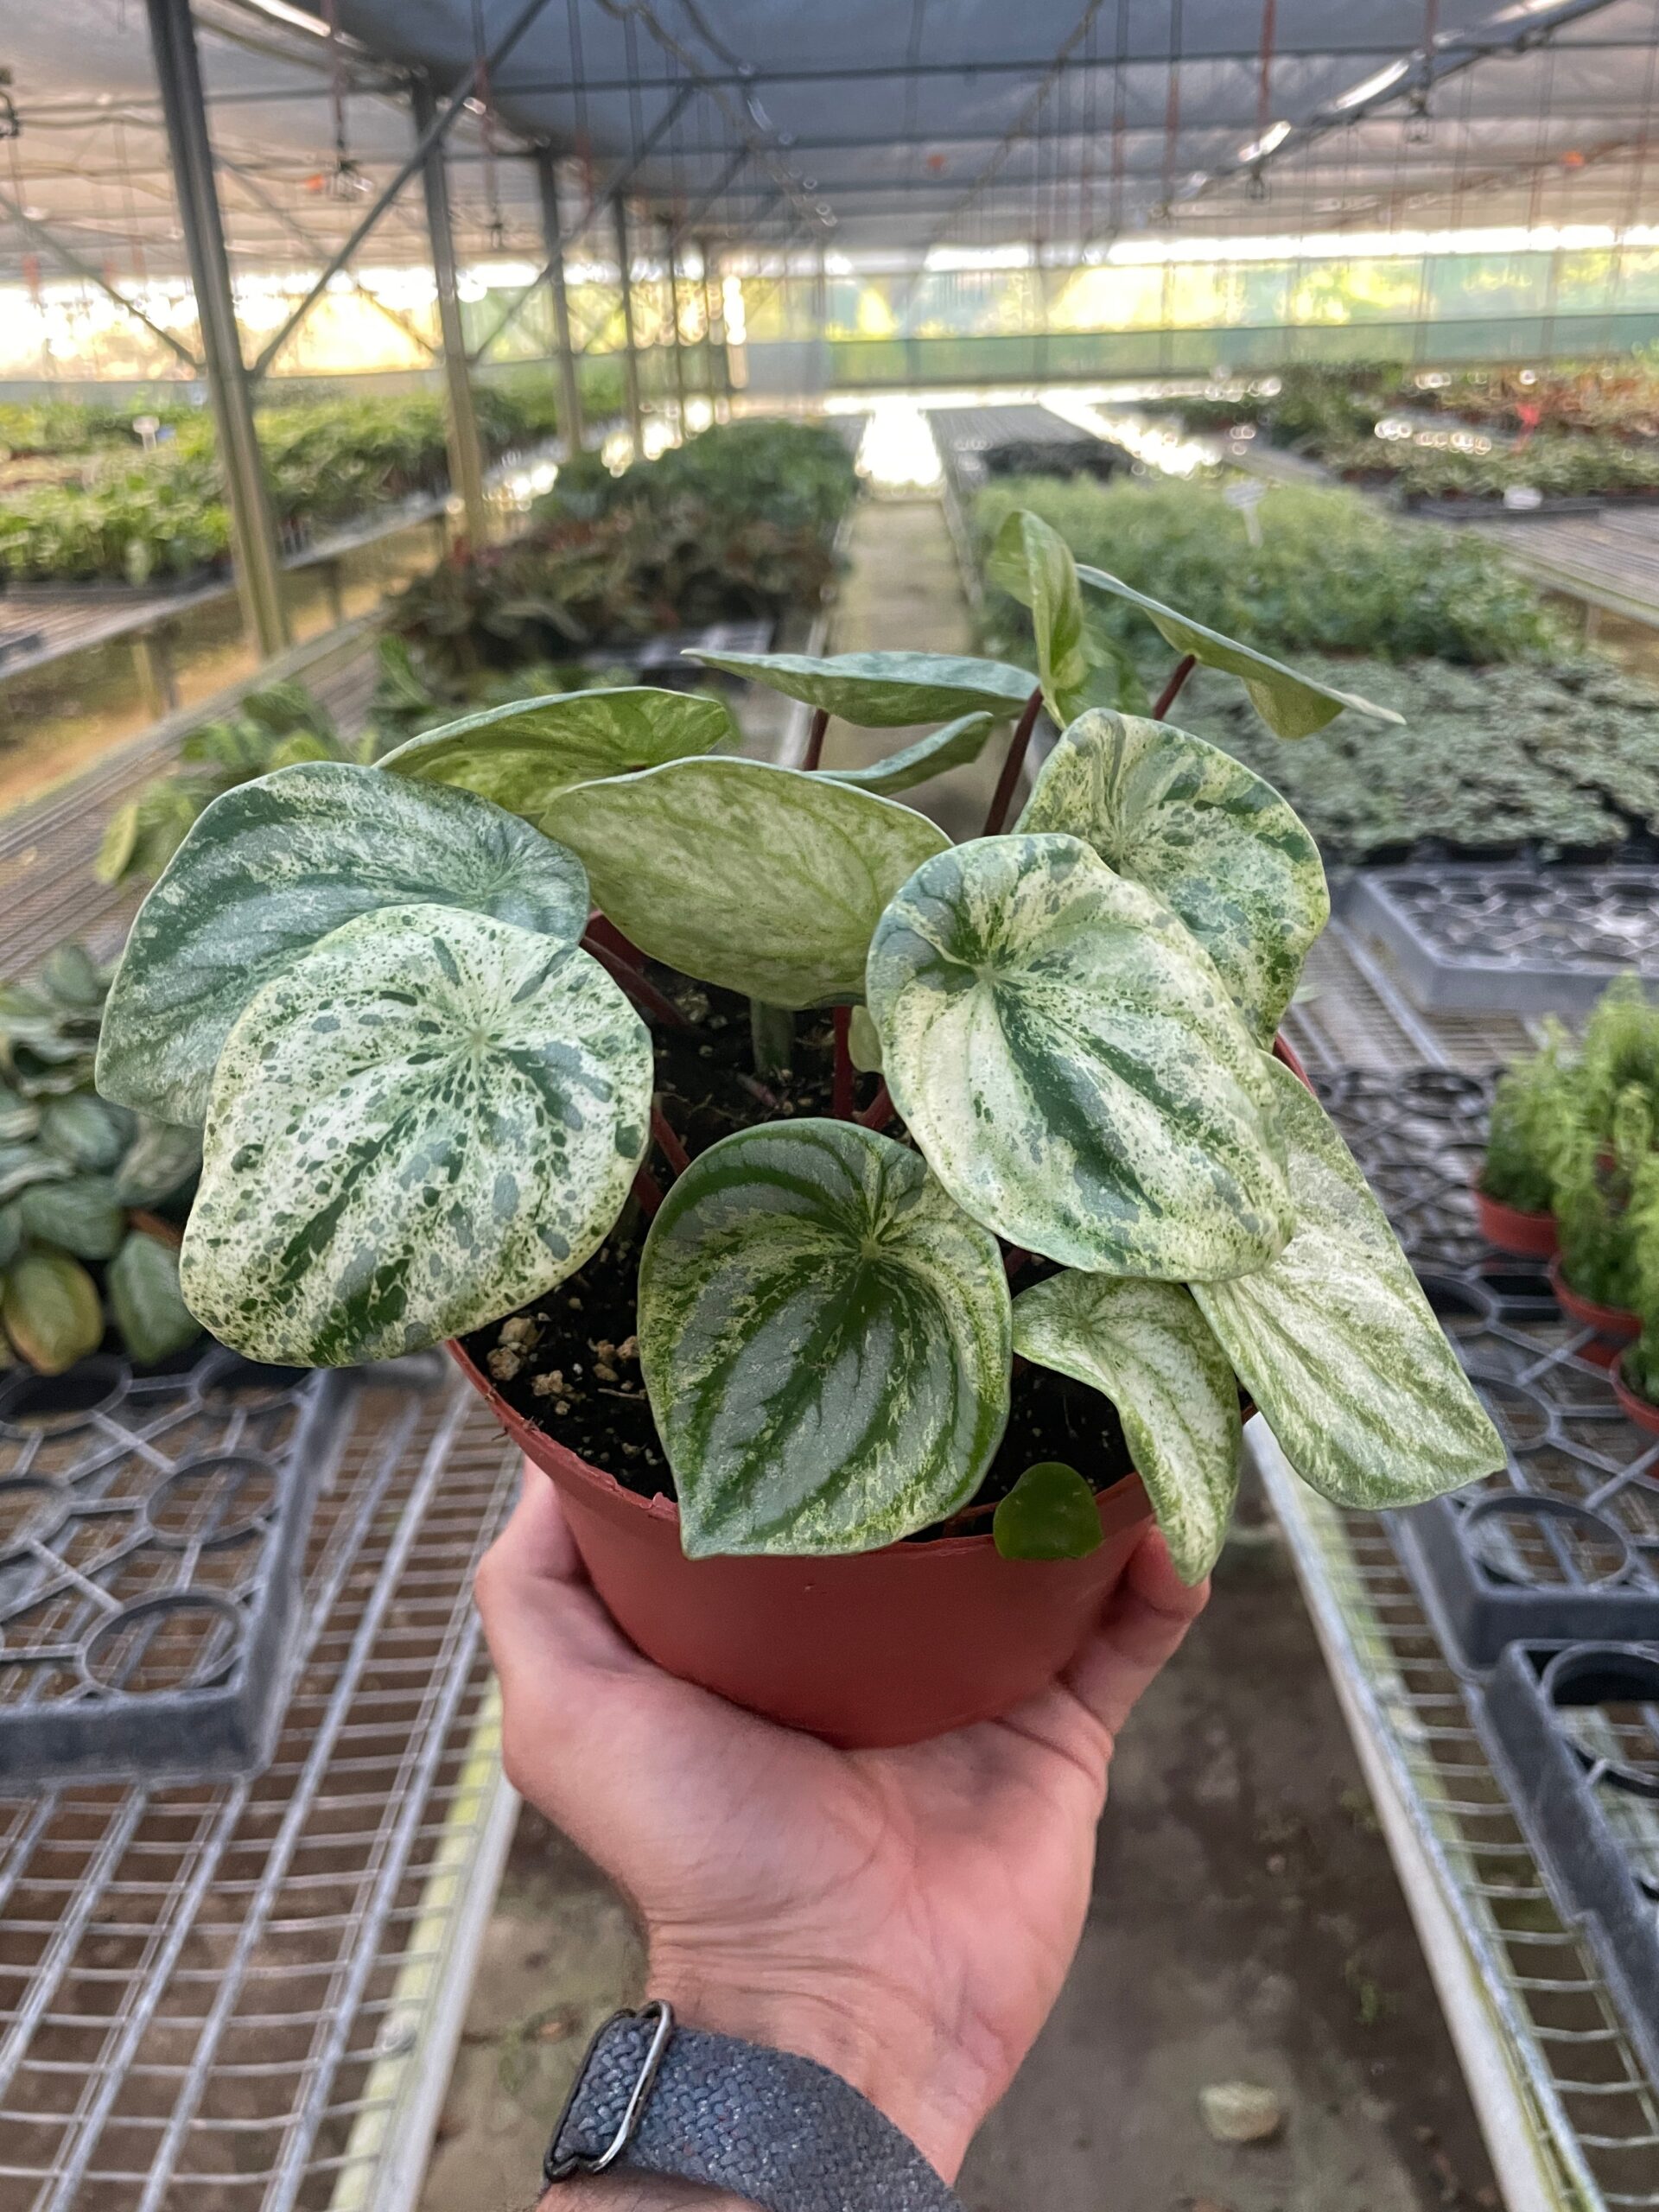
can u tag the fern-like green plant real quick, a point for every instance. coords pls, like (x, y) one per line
(1531, 1114)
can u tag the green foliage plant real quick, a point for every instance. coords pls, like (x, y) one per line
(82, 1242)
(1533, 1112)
(426, 1094)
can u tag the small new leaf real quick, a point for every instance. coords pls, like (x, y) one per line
(1146, 1346)
(1051, 1513)
(1337, 1344)
(953, 747)
(825, 1338)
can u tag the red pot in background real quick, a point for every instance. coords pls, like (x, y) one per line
(1642, 1411)
(1615, 1326)
(1512, 1229)
(873, 1649)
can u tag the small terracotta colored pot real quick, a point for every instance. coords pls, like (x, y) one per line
(1615, 1326)
(1512, 1229)
(1642, 1411)
(877, 1648)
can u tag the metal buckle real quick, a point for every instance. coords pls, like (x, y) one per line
(661, 2013)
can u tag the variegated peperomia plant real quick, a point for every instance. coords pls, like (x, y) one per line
(425, 1087)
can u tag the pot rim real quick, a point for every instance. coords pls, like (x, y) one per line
(1503, 1205)
(666, 1511)
(1614, 1320)
(1643, 1411)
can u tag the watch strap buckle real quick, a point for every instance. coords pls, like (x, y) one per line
(658, 2016)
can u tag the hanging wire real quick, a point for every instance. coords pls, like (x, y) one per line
(484, 95)
(1172, 111)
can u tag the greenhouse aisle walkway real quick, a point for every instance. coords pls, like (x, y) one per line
(1247, 1924)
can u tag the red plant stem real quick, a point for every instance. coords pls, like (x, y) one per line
(649, 1192)
(673, 1151)
(640, 988)
(1172, 690)
(602, 930)
(814, 751)
(1013, 1260)
(878, 1112)
(1013, 763)
(841, 1096)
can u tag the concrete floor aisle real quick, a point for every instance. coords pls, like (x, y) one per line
(1246, 1922)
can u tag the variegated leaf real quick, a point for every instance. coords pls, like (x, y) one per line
(1146, 1346)
(953, 747)
(1211, 838)
(825, 1338)
(1337, 1343)
(522, 756)
(428, 1119)
(764, 880)
(886, 690)
(1069, 1060)
(1290, 704)
(268, 870)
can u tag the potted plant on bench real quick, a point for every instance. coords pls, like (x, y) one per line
(859, 1381)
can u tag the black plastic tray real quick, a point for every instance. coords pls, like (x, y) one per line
(1564, 1545)
(1588, 1797)
(152, 1531)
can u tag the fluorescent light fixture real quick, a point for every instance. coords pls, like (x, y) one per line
(1269, 143)
(295, 18)
(1369, 88)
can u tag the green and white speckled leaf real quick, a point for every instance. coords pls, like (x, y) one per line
(764, 880)
(886, 690)
(427, 1120)
(953, 747)
(1146, 1346)
(522, 756)
(267, 872)
(1290, 704)
(1068, 1059)
(1210, 836)
(1339, 1346)
(825, 1338)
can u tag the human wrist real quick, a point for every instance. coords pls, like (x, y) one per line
(638, 2193)
(884, 2048)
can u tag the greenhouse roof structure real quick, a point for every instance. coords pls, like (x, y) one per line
(909, 128)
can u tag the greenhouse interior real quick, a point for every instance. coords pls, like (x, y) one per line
(781, 786)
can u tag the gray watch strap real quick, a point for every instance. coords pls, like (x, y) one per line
(780, 2130)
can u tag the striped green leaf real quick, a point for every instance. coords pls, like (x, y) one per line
(1211, 838)
(766, 881)
(953, 747)
(1146, 1346)
(267, 872)
(82, 1214)
(1291, 705)
(825, 1338)
(522, 756)
(1337, 1343)
(145, 1303)
(428, 1119)
(1070, 1062)
(51, 1310)
(886, 690)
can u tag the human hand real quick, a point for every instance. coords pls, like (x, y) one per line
(905, 1917)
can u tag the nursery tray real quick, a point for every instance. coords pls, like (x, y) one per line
(151, 1532)
(1575, 1730)
(1564, 1545)
(1470, 937)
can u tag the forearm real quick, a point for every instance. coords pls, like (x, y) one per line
(638, 2193)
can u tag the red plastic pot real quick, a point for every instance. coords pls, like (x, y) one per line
(1642, 1411)
(1512, 1229)
(1615, 1326)
(878, 1648)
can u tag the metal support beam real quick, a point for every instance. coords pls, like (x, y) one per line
(714, 328)
(547, 178)
(630, 353)
(259, 570)
(437, 128)
(48, 242)
(674, 312)
(466, 454)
